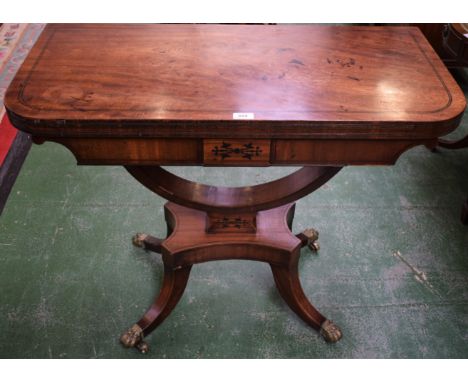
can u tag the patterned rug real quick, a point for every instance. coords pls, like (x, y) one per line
(15, 42)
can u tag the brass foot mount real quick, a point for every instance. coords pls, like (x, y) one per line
(310, 238)
(330, 331)
(133, 337)
(139, 240)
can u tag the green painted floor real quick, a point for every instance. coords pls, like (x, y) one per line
(392, 271)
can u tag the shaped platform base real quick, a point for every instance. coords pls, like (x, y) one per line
(189, 242)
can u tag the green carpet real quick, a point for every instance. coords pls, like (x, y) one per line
(392, 271)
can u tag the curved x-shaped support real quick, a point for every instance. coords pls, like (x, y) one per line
(233, 199)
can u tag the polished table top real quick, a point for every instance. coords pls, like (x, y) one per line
(232, 81)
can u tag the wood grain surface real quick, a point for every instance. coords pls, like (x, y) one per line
(189, 80)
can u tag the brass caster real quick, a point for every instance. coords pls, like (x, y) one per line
(139, 240)
(142, 347)
(132, 337)
(312, 239)
(314, 246)
(311, 234)
(330, 331)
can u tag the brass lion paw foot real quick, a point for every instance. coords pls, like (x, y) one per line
(330, 331)
(310, 237)
(139, 240)
(133, 337)
(147, 242)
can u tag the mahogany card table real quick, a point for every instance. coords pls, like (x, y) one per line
(320, 97)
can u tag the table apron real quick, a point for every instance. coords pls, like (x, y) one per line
(236, 152)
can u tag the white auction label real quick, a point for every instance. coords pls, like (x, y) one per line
(243, 116)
